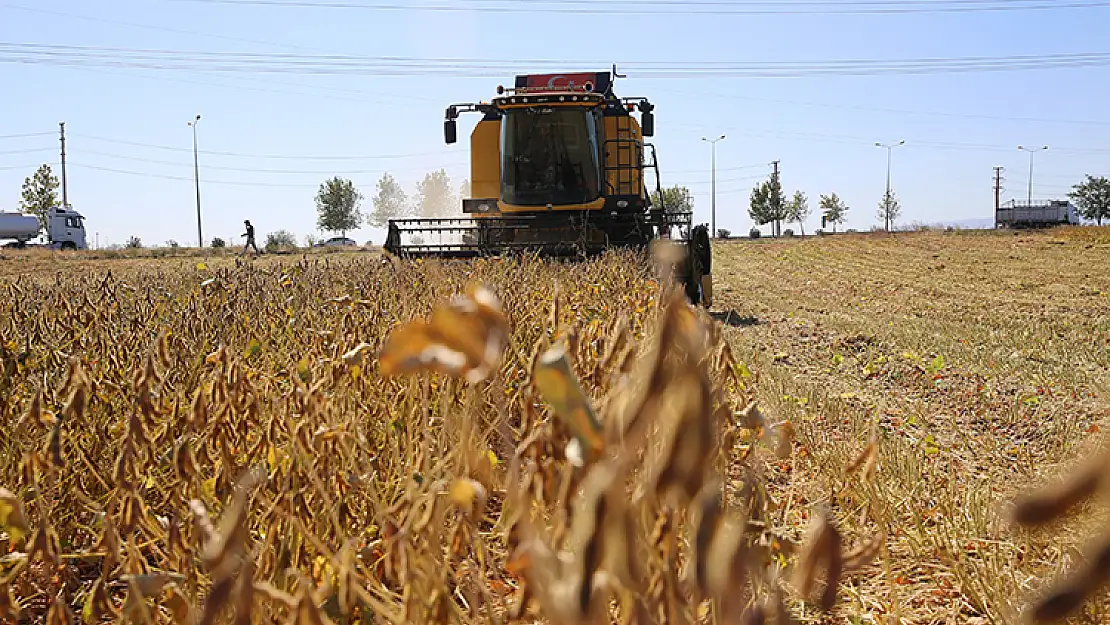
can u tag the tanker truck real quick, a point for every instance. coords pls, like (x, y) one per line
(65, 229)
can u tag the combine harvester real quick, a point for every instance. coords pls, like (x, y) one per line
(558, 168)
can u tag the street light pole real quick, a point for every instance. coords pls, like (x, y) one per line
(196, 179)
(713, 185)
(886, 198)
(1031, 152)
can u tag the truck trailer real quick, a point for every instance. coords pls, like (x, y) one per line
(65, 229)
(1037, 214)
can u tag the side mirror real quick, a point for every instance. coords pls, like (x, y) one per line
(449, 131)
(647, 124)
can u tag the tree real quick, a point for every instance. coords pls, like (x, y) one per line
(767, 204)
(134, 242)
(390, 202)
(40, 193)
(889, 209)
(282, 239)
(676, 199)
(337, 204)
(798, 210)
(464, 190)
(218, 242)
(434, 197)
(1092, 197)
(834, 210)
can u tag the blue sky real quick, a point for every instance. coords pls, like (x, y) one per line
(283, 133)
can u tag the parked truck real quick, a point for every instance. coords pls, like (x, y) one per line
(1037, 214)
(65, 229)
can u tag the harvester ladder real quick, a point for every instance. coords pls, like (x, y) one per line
(627, 159)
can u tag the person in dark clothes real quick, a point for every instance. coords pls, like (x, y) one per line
(250, 237)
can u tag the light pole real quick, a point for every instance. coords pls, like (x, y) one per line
(1031, 152)
(886, 198)
(713, 185)
(196, 178)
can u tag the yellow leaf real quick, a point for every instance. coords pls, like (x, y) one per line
(356, 371)
(559, 387)
(493, 459)
(202, 267)
(252, 348)
(208, 488)
(12, 517)
(464, 493)
(931, 446)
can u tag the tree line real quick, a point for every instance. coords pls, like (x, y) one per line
(338, 202)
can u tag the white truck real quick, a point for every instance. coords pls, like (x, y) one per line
(1018, 214)
(65, 229)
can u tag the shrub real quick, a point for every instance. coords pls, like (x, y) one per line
(280, 240)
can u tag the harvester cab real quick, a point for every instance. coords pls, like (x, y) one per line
(558, 166)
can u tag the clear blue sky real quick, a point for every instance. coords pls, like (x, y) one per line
(957, 125)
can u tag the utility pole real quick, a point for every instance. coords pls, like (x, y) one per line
(713, 186)
(1031, 152)
(65, 187)
(997, 188)
(776, 198)
(886, 198)
(196, 180)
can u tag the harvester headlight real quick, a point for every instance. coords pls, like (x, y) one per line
(573, 98)
(562, 98)
(622, 203)
(483, 207)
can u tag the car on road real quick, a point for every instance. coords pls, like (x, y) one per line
(337, 242)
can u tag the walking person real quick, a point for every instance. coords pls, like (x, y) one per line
(250, 237)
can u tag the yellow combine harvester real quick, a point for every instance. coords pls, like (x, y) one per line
(557, 167)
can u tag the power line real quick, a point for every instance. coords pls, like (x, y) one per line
(27, 135)
(243, 183)
(702, 94)
(223, 61)
(186, 178)
(269, 156)
(27, 151)
(603, 7)
(257, 170)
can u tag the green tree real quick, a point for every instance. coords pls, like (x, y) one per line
(834, 209)
(337, 204)
(676, 199)
(1092, 198)
(434, 197)
(218, 242)
(889, 209)
(767, 204)
(798, 210)
(40, 193)
(389, 203)
(134, 242)
(280, 240)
